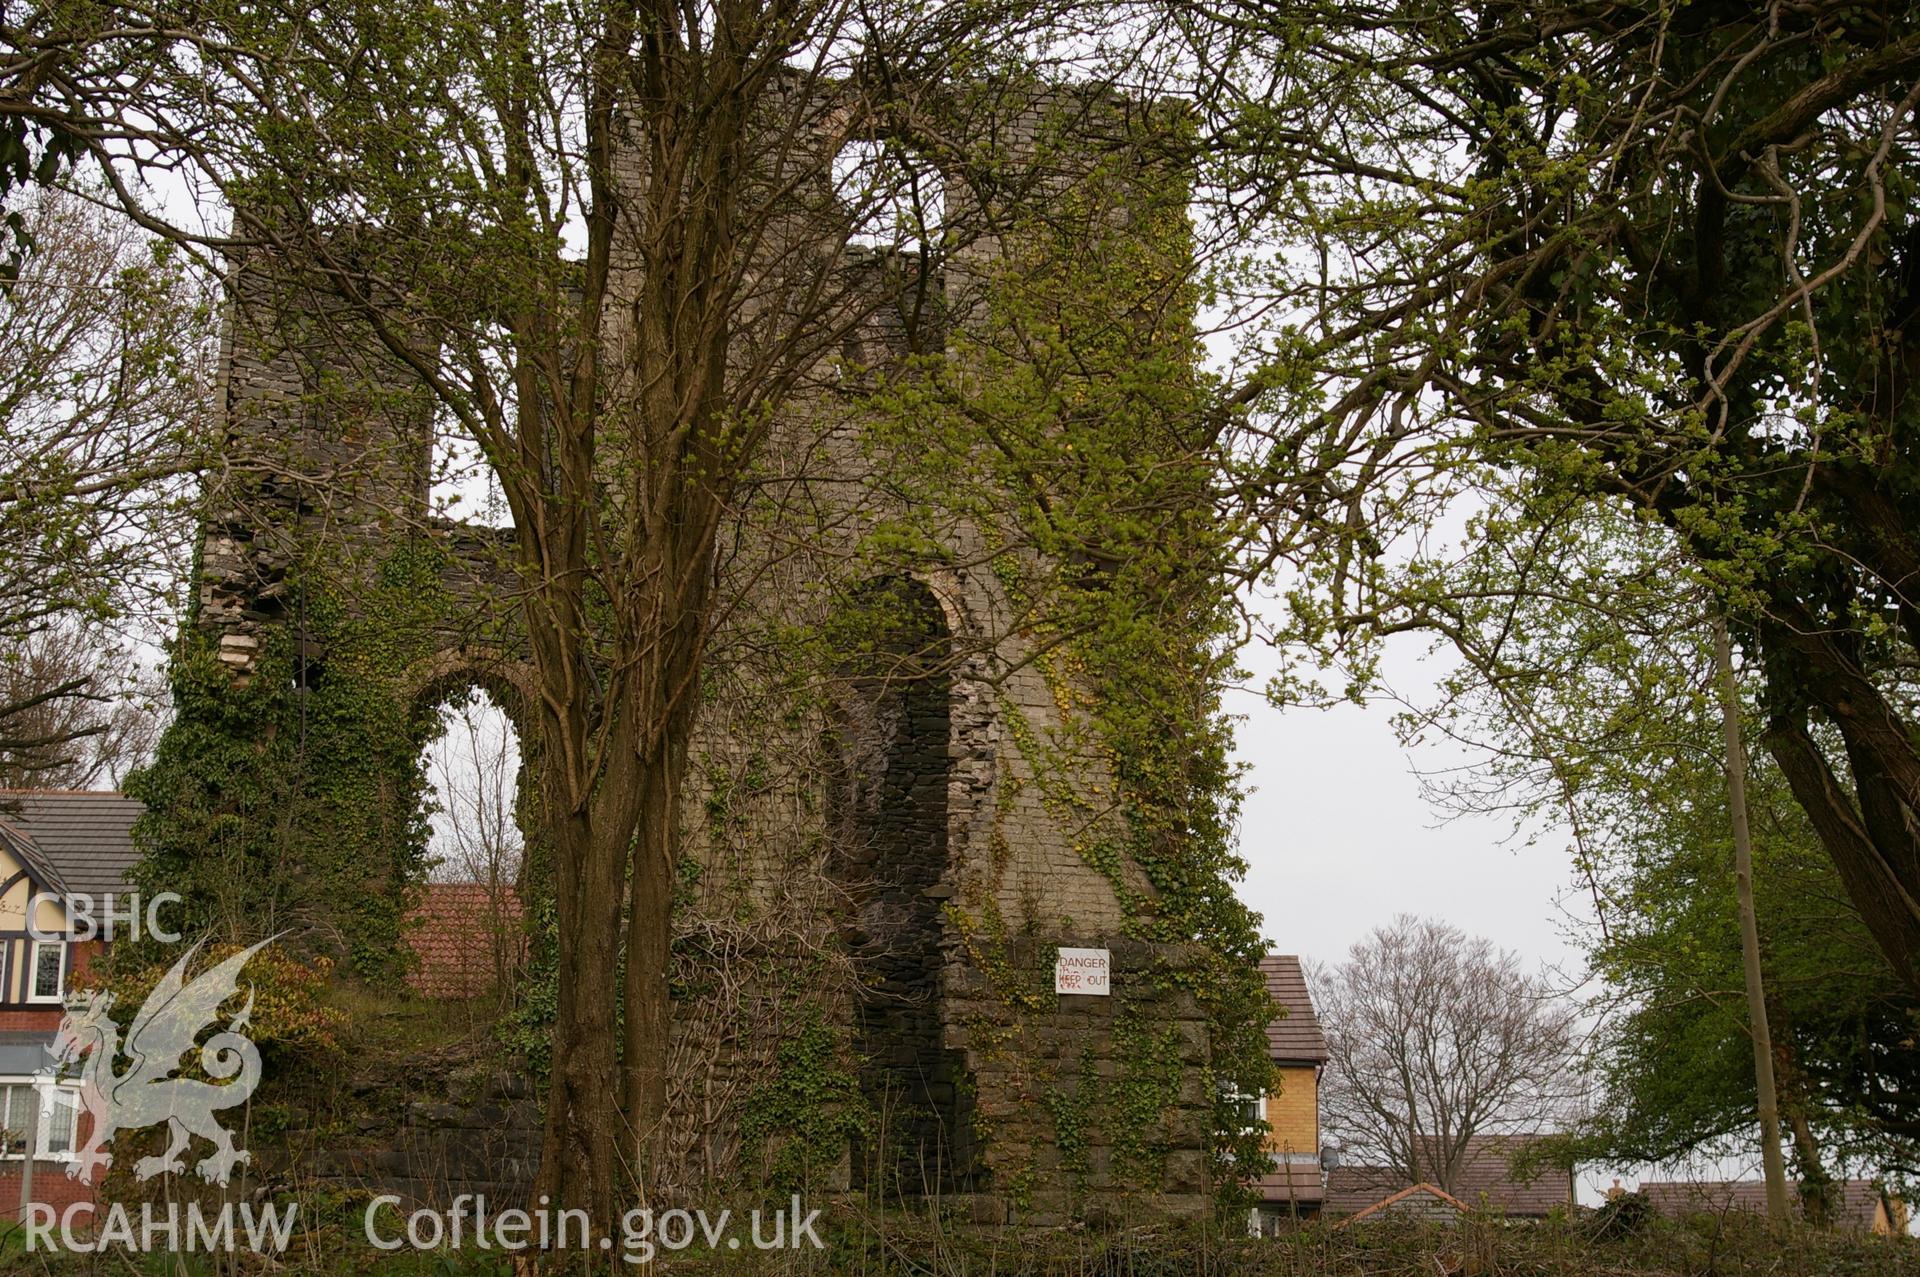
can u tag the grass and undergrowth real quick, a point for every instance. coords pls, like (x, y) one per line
(390, 1051)
(1707, 1246)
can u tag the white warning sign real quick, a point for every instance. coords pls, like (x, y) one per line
(1082, 971)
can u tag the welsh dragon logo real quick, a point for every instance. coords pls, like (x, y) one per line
(147, 1093)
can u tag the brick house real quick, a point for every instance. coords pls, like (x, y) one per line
(56, 847)
(1296, 1189)
(59, 846)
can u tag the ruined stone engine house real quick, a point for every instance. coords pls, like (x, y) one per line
(886, 860)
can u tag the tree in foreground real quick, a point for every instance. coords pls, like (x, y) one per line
(1672, 1060)
(1587, 701)
(1435, 1039)
(1585, 698)
(650, 191)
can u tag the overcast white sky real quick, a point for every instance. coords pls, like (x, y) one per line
(1339, 839)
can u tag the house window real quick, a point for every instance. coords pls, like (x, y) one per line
(13, 1118)
(59, 1122)
(57, 1108)
(1247, 1111)
(48, 972)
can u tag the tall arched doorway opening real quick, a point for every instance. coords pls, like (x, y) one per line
(888, 813)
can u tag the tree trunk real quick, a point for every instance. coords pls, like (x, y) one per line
(679, 565)
(1816, 1186)
(579, 1147)
(588, 808)
(1796, 1099)
(1736, 764)
(1870, 834)
(649, 956)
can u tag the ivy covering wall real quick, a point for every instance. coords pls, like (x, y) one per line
(1081, 397)
(295, 803)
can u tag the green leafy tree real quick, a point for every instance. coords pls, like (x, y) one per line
(1664, 254)
(1587, 697)
(1674, 1061)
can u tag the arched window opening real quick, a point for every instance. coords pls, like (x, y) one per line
(888, 808)
(468, 937)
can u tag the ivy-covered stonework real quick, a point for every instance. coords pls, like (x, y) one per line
(961, 712)
(294, 802)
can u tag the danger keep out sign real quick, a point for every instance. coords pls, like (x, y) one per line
(1082, 971)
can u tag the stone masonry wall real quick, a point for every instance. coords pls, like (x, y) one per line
(1086, 1103)
(482, 1138)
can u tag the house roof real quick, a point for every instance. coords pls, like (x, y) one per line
(1351, 1189)
(82, 839)
(1485, 1180)
(456, 931)
(1487, 1175)
(1854, 1203)
(20, 845)
(1294, 1036)
(1414, 1199)
(1297, 1182)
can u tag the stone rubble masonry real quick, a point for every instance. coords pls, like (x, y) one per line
(481, 1137)
(1034, 1058)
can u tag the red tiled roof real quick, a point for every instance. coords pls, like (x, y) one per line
(1485, 1181)
(1295, 1035)
(456, 932)
(1854, 1202)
